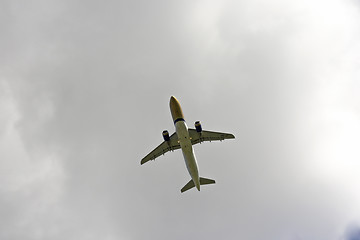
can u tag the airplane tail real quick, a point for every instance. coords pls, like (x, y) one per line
(191, 184)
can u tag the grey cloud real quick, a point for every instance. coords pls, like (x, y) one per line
(352, 232)
(91, 84)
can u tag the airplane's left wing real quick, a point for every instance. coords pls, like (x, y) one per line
(163, 148)
(199, 137)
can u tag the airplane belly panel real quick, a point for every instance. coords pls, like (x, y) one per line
(187, 150)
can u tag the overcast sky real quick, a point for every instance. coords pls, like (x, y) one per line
(84, 96)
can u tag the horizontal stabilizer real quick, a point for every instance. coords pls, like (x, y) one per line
(188, 186)
(203, 181)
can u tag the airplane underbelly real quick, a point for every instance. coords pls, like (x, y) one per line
(187, 150)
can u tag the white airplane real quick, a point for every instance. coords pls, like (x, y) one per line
(184, 138)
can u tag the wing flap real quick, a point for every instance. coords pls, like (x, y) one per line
(203, 136)
(163, 148)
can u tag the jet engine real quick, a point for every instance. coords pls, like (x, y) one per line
(198, 126)
(166, 135)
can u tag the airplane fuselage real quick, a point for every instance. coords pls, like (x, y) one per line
(185, 141)
(188, 151)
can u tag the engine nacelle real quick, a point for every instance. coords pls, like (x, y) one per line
(198, 126)
(166, 135)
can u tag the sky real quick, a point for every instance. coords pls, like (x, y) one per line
(84, 96)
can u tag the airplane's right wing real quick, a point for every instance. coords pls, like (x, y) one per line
(163, 148)
(199, 137)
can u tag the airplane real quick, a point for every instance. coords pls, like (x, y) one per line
(184, 138)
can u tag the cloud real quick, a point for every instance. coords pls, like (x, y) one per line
(32, 182)
(84, 96)
(352, 233)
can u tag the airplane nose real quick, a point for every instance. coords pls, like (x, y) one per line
(175, 109)
(174, 101)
